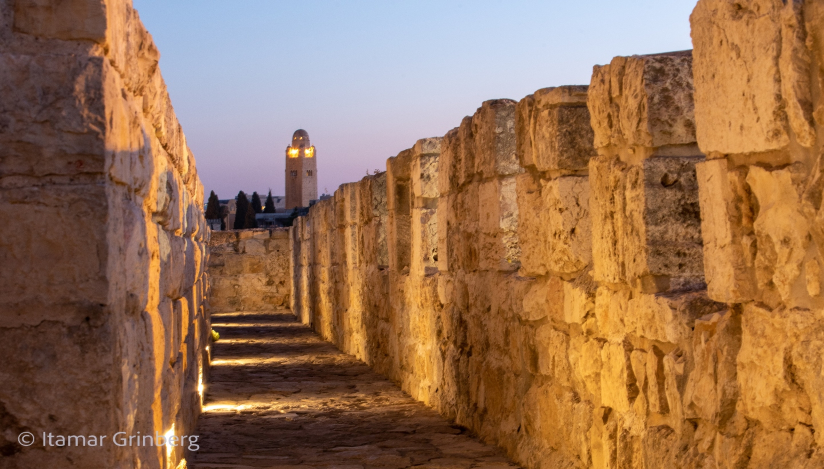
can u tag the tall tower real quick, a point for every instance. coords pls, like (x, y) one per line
(301, 171)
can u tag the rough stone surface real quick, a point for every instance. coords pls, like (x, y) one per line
(752, 76)
(249, 270)
(103, 249)
(643, 101)
(646, 222)
(282, 397)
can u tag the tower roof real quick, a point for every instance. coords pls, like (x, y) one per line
(300, 139)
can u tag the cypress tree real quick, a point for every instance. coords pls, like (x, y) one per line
(213, 207)
(256, 202)
(270, 204)
(250, 221)
(240, 213)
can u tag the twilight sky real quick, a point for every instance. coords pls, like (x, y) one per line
(367, 79)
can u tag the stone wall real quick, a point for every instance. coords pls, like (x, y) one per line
(625, 274)
(102, 244)
(249, 270)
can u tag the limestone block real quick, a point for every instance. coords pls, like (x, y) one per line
(607, 205)
(72, 20)
(498, 223)
(579, 299)
(675, 376)
(768, 370)
(32, 82)
(781, 230)
(644, 101)
(339, 206)
(532, 226)
(560, 130)
(611, 307)
(667, 317)
(52, 241)
(254, 247)
(586, 363)
(552, 346)
(425, 240)
(646, 223)
(444, 247)
(130, 47)
(425, 178)
(543, 299)
(493, 130)
(712, 388)
(448, 161)
(751, 76)
(524, 111)
(566, 202)
(465, 157)
(618, 384)
(812, 274)
(656, 381)
(399, 205)
(726, 225)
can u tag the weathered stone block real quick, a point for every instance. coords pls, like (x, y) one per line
(532, 228)
(618, 384)
(781, 230)
(586, 362)
(425, 178)
(493, 131)
(770, 391)
(498, 223)
(524, 116)
(751, 76)
(464, 159)
(579, 299)
(560, 131)
(544, 298)
(71, 20)
(667, 317)
(646, 223)
(712, 388)
(607, 178)
(566, 204)
(726, 224)
(644, 101)
(610, 310)
(552, 346)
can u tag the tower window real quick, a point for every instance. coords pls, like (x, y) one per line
(294, 174)
(308, 172)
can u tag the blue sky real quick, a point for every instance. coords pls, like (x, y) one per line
(367, 79)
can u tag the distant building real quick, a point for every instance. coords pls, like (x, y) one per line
(228, 211)
(301, 171)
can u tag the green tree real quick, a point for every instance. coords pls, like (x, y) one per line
(270, 203)
(250, 221)
(213, 207)
(256, 202)
(240, 212)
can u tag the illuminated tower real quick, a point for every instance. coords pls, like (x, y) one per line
(301, 171)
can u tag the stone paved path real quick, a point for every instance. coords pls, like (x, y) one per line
(280, 397)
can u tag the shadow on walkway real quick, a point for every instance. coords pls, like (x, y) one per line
(281, 397)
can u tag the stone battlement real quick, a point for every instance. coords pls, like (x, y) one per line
(621, 275)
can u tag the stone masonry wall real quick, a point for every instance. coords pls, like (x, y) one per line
(619, 275)
(249, 270)
(102, 245)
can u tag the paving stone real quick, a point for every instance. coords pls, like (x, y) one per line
(281, 397)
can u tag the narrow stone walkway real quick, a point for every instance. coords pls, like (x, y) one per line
(280, 397)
